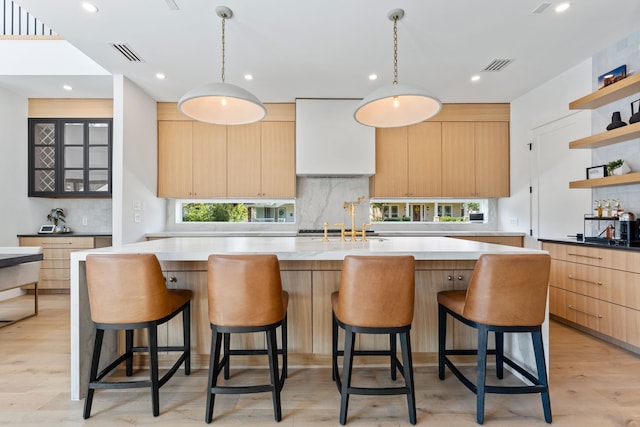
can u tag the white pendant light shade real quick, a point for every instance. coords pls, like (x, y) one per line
(396, 105)
(222, 104)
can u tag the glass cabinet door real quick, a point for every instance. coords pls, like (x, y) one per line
(70, 158)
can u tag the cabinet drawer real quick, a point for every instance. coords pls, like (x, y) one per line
(601, 257)
(589, 312)
(54, 274)
(58, 242)
(619, 287)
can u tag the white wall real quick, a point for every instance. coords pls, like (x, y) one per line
(13, 166)
(544, 104)
(136, 209)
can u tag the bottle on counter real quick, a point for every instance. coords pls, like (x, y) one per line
(598, 208)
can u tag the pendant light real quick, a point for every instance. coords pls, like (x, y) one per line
(396, 104)
(222, 103)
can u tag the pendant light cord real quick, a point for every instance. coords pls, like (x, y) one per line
(395, 50)
(223, 19)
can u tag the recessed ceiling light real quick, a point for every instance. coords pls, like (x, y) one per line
(248, 77)
(160, 76)
(373, 77)
(89, 7)
(562, 7)
(67, 87)
(475, 78)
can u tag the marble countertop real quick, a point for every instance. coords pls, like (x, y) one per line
(290, 233)
(309, 248)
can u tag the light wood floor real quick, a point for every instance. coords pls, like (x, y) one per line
(592, 384)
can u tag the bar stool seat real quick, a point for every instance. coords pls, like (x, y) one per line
(376, 296)
(245, 295)
(506, 294)
(128, 292)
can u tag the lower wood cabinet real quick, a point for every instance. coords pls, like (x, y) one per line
(55, 268)
(597, 289)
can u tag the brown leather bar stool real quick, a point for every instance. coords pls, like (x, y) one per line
(245, 295)
(506, 294)
(128, 292)
(375, 297)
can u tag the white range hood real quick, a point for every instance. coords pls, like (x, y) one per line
(329, 141)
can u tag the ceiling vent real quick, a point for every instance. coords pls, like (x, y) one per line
(497, 64)
(127, 52)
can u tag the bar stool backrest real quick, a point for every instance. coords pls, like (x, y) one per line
(508, 290)
(245, 290)
(376, 291)
(126, 288)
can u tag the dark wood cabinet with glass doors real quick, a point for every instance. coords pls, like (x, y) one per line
(70, 157)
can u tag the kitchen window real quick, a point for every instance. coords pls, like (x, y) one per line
(244, 211)
(451, 210)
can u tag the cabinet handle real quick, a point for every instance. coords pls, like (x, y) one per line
(584, 256)
(450, 277)
(55, 244)
(591, 282)
(173, 279)
(460, 277)
(597, 316)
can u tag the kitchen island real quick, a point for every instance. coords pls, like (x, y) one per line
(310, 272)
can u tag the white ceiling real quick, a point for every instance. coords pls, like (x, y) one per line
(327, 49)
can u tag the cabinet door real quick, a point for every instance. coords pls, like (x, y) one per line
(175, 150)
(209, 160)
(424, 161)
(458, 159)
(244, 161)
(391, 175)
(492, 159)
(278, 159)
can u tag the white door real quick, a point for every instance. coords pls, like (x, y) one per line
(556, 210)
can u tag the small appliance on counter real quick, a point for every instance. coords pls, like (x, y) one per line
(612, 231)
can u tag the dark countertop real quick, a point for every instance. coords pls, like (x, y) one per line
(590, 244)
(9, 260)
(72, 234)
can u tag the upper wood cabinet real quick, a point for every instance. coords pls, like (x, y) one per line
(200, 160)
(191, 160)
(408, 161)
(475, 159)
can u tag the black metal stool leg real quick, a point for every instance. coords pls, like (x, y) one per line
(93, 374)
(186, 333)
(442, 339)
(128, 339)
(334, 347)
(407, 361)
(285, 343)
(153, 368)
(538, 349)
(393, 351)
(273, 371)
(226, 356)
(346, 373)
(499, 354)
(483, 334)
(214, 371)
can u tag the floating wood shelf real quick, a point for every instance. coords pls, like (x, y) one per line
(622, 134)
(627, 179)
(618, 90)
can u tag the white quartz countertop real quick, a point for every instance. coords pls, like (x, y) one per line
(309, 248)
(293, 233)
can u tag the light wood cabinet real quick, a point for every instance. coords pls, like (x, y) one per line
(191, 159)
(55, 267)
(408, 161)
(475, 159)
(442, 159)
(261, 160)
(597, 289)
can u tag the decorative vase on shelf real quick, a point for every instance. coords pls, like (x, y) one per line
(623, 169)
(635, 115)
(616, 121)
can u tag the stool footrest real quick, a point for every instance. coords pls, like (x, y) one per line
(378, 391)
(242, 389)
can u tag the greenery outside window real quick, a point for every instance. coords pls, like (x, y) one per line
(453, 210)
(244, 211)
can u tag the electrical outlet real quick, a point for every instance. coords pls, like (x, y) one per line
(84, 220)
(137, 217)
